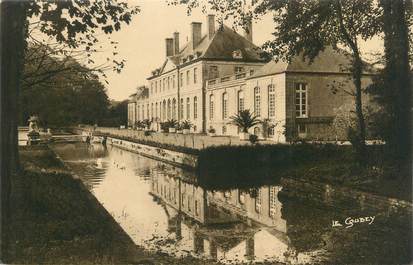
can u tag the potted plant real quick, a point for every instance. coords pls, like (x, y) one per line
(244, 120)
(138, 125)
(179, 128)
(172, 124)
(146, 124)
(186, 126)
(211, 131)
(164, 126)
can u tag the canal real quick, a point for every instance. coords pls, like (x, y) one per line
(163, 209)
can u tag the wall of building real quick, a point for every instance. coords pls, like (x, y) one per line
(279, 119)
(232, 89)
(190, 89)
(322, 105)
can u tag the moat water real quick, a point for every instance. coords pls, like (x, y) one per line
(163, 209)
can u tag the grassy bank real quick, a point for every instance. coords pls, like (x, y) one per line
(334, 164)
(55, 220)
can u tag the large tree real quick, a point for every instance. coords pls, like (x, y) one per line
(73, 23)
(394, 85)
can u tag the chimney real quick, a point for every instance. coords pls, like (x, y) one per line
(176, 43)
(195, 33)
(211, 25)
(248, 31)
(169, 43)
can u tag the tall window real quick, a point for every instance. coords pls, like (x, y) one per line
(173, 81)
(187, 77)
(156, 110)
(224, 105)
(164, 110)
(181, 111)
(143, 112)
(257, 101)
(273, 200)
(258, 200)
(271, 101)
(139, 112)
(169, 81)
(188, 107)
(211, 107)
(174, 109)
(169, 109)
(152, 109)
(156, 87)
(240, 101)
(147, 111)
(195, 75)
(181, 81)
(300, 100)
(163, 86)
(195, 108)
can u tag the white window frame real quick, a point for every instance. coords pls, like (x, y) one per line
(241, 101)
(257, 101)
(224, 105)
(271, 101)
(195, 108)
(211, 106)
(188, 108)
(299, 92)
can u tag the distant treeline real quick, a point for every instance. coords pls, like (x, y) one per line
(62, 92)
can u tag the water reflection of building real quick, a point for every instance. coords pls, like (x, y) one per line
(230, 225)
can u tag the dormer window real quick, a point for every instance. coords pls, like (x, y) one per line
(238, 69)
(237, 54)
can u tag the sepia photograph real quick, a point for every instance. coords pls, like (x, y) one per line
(206, 132)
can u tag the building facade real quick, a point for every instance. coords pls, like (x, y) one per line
(218, 74)
(294, 100)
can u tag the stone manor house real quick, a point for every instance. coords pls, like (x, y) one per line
(219, 73)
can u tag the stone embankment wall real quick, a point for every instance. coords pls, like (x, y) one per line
(194, 141)
(340, 197)
(169, 156)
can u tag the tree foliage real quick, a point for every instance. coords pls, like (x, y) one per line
(392, 88)
(71, 92)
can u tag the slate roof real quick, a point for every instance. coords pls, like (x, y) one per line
(220, 47)
(328, 61)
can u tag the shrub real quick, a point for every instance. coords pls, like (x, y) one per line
(164, 126)
(211, 130)
(253, 139)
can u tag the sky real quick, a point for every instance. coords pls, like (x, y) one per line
(142, 42)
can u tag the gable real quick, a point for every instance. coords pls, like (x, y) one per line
(168, 66)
